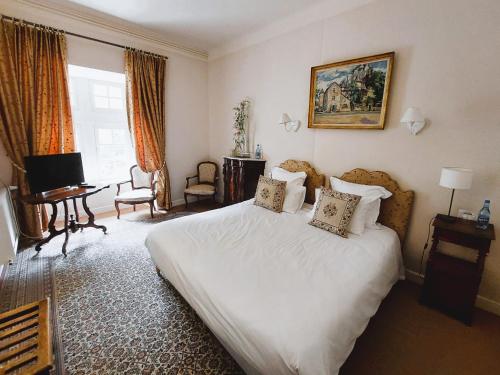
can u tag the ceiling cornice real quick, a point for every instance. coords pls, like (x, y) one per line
(314, 13)
(123, 27)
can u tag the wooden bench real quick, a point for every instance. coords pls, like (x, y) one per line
(25, 340)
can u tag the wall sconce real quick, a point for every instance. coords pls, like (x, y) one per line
(413, 119)
(289, 125)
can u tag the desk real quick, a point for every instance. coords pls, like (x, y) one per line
(58, 196)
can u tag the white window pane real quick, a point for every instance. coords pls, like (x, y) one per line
(101, 124)
(120, 137)
(101, 102)
(115, 92)
(100, 90)
(115, 103)
(104, 136)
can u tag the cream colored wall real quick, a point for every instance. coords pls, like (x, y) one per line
(447, 56)
(186, 94)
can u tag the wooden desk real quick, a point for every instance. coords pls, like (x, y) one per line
(58, 196)
(451, 284)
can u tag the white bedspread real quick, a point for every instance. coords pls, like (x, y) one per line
(282, 296)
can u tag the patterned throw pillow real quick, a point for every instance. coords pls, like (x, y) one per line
(270, 194)
(334, 211)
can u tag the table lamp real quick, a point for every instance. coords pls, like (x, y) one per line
(455, 178)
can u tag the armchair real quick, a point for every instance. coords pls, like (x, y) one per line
(143, 190)
(207, 181)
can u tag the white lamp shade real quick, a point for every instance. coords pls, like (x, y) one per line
(456, 178)
(412, 114)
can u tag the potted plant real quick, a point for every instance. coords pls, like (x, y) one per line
(240, 129)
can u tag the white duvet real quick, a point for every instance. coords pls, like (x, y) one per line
(282, 296)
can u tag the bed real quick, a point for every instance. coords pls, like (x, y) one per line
(282, 296)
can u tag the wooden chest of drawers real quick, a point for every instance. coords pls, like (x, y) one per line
(241, 176)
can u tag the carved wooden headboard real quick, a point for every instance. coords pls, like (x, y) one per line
(394, 211)
(313, 180)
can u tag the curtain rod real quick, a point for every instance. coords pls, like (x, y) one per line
(13, 19)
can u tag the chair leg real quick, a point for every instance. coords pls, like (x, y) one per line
(186, 200)
(117, 210)
(134, 207)
(151, 207)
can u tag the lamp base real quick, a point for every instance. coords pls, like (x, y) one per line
(448, 219)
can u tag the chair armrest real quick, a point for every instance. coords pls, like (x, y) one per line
(119, 184)
(189, 178)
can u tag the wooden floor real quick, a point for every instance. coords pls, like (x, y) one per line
(407, 338)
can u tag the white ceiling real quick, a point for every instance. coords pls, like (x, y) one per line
(200, 24)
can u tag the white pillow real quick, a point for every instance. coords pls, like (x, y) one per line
(359, 189)
(294, 198)
(291, 178)
(295, 193)
(310, 214)
(368, 209)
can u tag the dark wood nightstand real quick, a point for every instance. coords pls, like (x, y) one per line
(451, 283)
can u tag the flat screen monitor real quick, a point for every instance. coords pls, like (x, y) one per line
(49, 172)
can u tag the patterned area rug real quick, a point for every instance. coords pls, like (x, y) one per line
(113, 313)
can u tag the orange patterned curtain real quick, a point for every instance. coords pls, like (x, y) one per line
(35, 113)
(145, 77)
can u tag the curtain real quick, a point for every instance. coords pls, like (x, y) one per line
(35, 113)
(145, 79)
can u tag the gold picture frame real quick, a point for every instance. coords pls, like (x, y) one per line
(351, 94)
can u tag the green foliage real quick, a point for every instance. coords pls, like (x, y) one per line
(376, 81)
(239, 129)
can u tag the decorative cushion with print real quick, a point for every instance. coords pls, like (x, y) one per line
(270, 194)
(334, 211)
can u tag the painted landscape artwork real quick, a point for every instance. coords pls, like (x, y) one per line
(350, 94)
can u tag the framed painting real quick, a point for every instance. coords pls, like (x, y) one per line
(350, 94)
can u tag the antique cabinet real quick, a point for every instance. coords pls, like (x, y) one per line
(241, 176)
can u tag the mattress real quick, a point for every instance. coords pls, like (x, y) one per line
(282, 296)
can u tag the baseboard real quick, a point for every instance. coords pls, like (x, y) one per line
(111, 207)
(181, 202)
(482, 303)
(414, 277)
(96, 210)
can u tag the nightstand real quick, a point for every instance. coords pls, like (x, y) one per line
(451, 284)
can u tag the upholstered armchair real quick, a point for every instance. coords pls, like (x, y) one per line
(143, 190)
(206, 181)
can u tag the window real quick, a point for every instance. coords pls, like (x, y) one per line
(100, 121)
(107, 96)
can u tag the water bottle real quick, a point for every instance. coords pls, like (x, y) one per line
(258, 152)
(484, 216)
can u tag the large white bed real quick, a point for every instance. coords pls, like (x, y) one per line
(282, 296)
